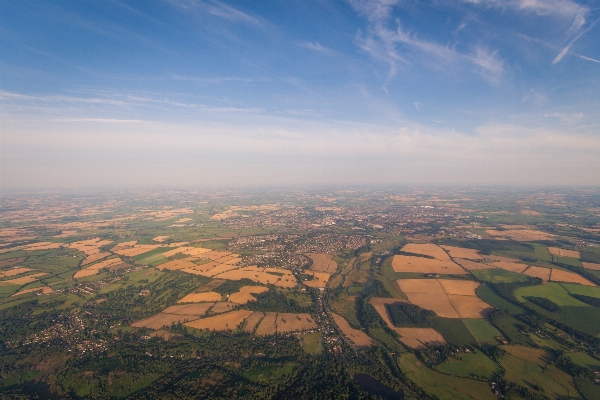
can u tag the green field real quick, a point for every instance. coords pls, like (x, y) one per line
(585, 360)
(551, 291)
(584, 319)
(311, 342)
(575, 313)
(547, 342)
(589, 389)
(540, 252)
(442, 386)
(471, 365)
(391, 343)
(151, 253)
(454, 331)
(486, 294)
(482, 330)
(590, 256)
(580, 289)
(391, 286)
(153, 260)
(595, 273)
(135, 278)
(344, 305)
(13, 301)
(554, 383)
(569, 261)
(260, 373)
(498, 275)
(72, 301)
(303, 299)
(511, 329)
(8, 290)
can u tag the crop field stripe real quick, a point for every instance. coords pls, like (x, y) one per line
(454, 331)
(448, 297)
(482, 330)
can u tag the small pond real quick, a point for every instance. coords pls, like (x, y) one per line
(373, 386)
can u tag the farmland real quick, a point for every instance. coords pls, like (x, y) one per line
(358, 338)
(224, 322)
(459, 252)
(322, 263)
(257, 295)
(201, 297)
(564, 253)
(482, 330)
(420, 337)
(528, 365)
(552, 291)
(471, 365)
(245, 294)
(443, 386)
(423, 265)
(454, 331)
(161, 320)
(538, 272)
(565, 276)
(447, 298)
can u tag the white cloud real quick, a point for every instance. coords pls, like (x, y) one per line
(562, 52)
(212, 80)
(586, 58)
(400, 45)
(218, 9)
(490, 65)
(571, 118)
(567, 48)
(124, 101)
(315, 46)
(374, 10)
(560, 8)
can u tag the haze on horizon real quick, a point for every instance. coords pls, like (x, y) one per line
(280, 93)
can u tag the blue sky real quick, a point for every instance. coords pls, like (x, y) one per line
(262, 93)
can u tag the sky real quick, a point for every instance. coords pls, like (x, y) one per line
(298, 92)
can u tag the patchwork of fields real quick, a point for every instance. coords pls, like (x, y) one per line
(447, 298)
(259, 323)
(261, 296)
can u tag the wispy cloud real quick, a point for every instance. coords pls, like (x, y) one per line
(381, 48)
(393, 45)
(378, 41)
(490, 65)
(586, 58)
(218, 9)
(559, 8)
(536, 98)
(551, 46)
(116, 99)
(374, 10)
(567, 48)
(563, 9)
(213, 80)
(571, 118)
(315, 46)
